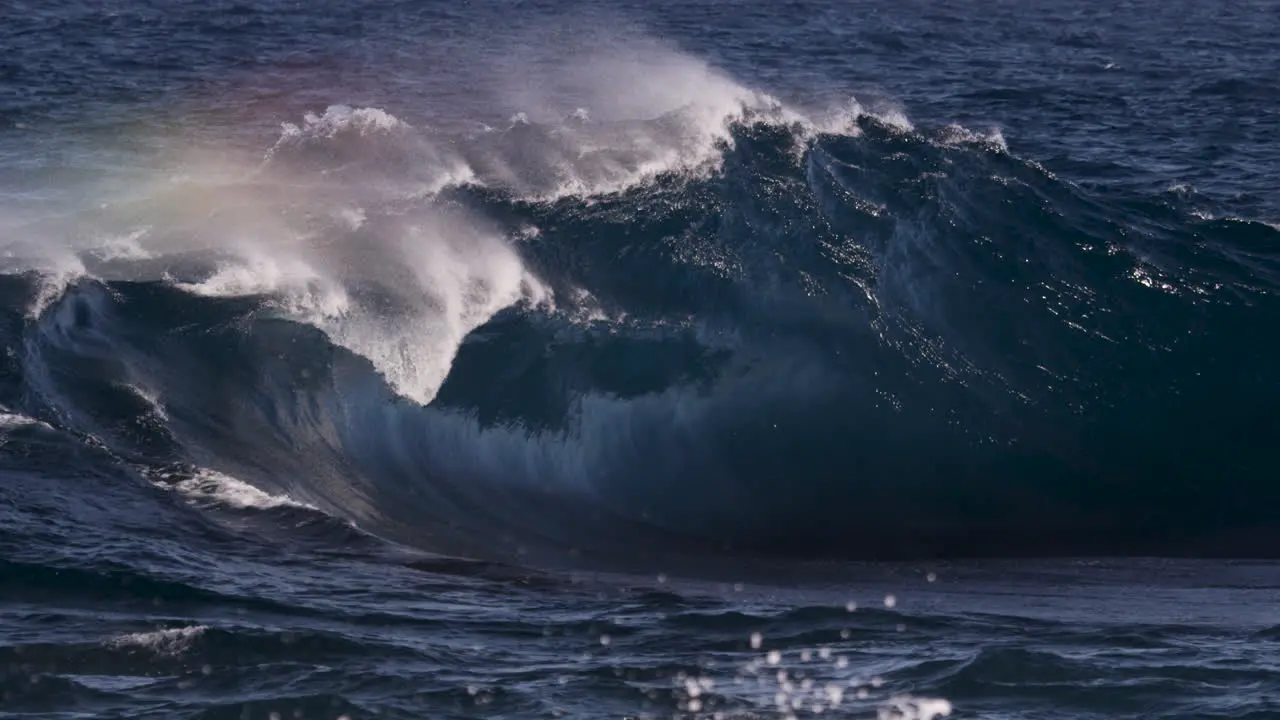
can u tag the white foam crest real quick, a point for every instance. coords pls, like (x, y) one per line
(338, 119)
(600, 160)
(906, 707)
(463, 277)
(402, 291)
(955, 134)
(173, 641)
(297, 288)
(13, 421)
(387, 156)
(53, 285)
(57, 266)
(635, 110)
(211, 486)
(843, 119)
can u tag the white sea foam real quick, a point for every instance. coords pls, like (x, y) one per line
(56, 264)
(959, 135)
(173, 641)
(338, 119)
(210, 486)
(906, 707)
(295, 286)
(843, 119)
(460, 278)
(13, 421)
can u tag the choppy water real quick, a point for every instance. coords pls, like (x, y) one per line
(709, 360)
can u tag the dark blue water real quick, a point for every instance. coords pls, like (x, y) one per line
(523, 360)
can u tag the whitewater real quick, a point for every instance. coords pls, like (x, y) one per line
(375, 360)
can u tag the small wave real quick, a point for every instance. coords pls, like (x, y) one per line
(958, 134)
(173, 641)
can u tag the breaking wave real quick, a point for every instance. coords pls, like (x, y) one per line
(729, 325)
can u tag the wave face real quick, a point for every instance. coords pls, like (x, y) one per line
(730, 326)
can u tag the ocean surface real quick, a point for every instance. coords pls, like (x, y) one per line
(757, 359)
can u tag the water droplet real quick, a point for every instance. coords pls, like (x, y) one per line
(756, 640)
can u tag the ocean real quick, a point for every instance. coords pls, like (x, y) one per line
(531, 359)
